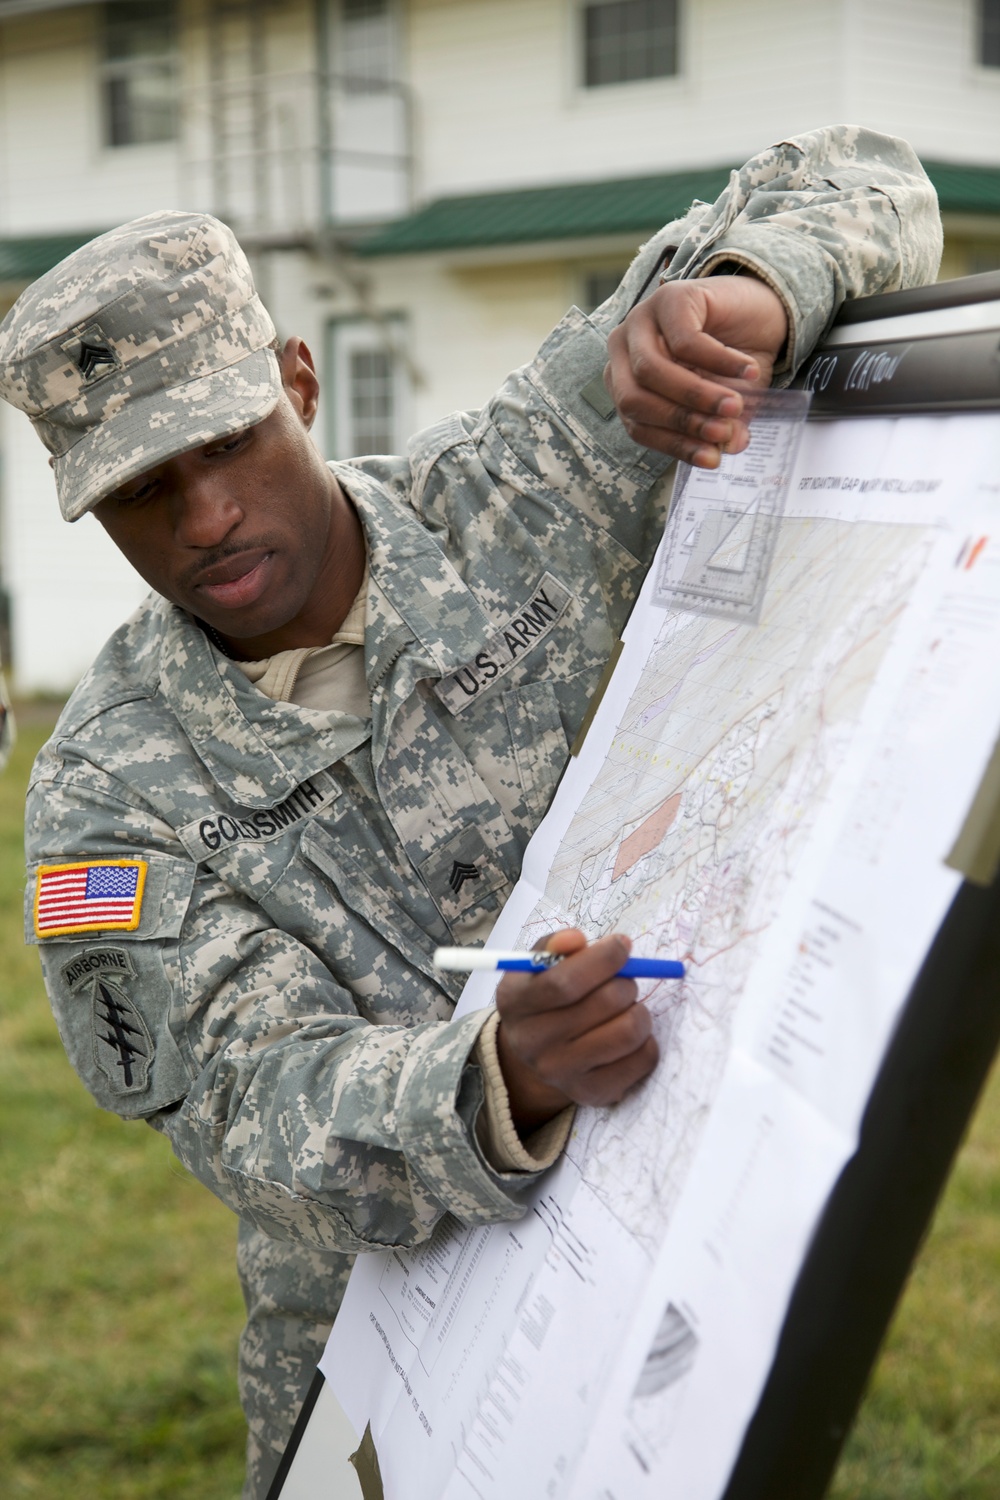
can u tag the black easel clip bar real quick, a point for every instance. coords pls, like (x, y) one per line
(892, 377)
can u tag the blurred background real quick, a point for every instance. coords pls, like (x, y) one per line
(426, 185)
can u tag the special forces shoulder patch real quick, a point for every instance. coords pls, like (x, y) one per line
(89, 896)
(123, 1047)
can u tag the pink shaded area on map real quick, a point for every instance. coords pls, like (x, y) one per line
(647, 835)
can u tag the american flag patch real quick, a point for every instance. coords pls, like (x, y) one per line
(90, 897)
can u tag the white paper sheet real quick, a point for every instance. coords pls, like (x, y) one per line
(772, 803)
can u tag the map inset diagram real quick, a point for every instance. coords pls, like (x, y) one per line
(724, 527)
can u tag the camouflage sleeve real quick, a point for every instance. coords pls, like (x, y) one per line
(836, 213)
(236, 1041)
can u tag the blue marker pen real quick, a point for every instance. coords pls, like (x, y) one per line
(465, 960)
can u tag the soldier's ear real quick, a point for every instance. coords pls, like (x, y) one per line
(298, 376)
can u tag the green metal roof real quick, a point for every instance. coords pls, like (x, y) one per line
(577, 210)
(10, 8)
(624, 205)
(965, 190)
(25, 258)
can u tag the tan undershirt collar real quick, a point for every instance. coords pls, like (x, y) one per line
(324, 677)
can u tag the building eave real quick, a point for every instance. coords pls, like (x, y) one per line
(9, 9)
(23, 258)
(563, 219)
(967, 189)
(613, 207)
(559, 211)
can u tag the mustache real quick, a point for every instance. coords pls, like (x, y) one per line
(196, 572)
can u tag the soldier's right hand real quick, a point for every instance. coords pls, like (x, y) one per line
(675, 360)
(572, 1033)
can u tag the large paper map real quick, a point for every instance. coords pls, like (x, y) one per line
(771, 802)
(723, 759)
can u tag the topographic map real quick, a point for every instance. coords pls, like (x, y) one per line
(769, 791)
(723, 758)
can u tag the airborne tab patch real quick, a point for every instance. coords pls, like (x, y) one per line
(115, 963)
(89, 896)
(123, 1047)
(522, 631)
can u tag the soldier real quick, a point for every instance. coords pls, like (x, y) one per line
(321, 745)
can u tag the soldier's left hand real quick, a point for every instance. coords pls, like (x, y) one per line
(676, 361)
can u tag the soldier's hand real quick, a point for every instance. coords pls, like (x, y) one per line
(669, 362)
(573, 1032)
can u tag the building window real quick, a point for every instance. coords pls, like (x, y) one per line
(625, 40)
(139, 73)
(366, 38)
(368, 386)
(370, 397)
(598, 286)
(989, 33)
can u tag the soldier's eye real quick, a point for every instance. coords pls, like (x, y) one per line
(229, 444)
(131, 497)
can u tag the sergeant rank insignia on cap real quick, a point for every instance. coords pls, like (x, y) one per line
(92, 896)
(91, 354)
(94, 360)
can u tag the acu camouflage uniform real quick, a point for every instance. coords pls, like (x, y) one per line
(283, 1024)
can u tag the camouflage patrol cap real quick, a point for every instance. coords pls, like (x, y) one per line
(146, 342)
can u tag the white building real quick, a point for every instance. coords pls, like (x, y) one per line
(425, 185)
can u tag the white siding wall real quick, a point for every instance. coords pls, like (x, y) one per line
(287, 107)
(468, 326)
(499, 102)
(70, 586)
(912, 69)
(55, 172)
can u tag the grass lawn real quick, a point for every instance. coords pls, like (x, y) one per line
(119, 1308)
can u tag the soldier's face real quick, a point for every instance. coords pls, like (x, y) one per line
(251, 533)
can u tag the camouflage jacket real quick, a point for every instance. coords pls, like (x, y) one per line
(236, 900)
